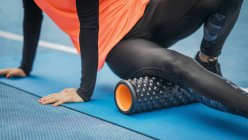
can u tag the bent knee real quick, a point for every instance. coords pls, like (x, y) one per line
(176, 63)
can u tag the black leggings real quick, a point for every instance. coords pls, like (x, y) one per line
(143, 51)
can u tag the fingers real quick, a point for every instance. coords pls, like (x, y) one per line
(4, 72)
(59, 103)
(10, 74)
(50, 99)
(56, 99)
(49, 96)
(16, 73)
(13, 72)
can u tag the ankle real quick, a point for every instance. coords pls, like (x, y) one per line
(205, 58)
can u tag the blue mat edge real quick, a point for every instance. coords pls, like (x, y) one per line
(67, 107)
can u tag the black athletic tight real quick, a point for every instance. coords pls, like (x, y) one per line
(143, 52)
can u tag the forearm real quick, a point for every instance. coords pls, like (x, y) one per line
(88, 16)
(31, 33)
(89, 64)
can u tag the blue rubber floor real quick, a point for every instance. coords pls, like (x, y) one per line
(194, 121)
(23, 118)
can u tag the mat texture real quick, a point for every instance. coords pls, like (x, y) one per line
(22, 117)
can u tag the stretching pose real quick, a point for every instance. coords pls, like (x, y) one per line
(144, 29)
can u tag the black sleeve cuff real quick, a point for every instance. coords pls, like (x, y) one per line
(85, 95)
(26, 71)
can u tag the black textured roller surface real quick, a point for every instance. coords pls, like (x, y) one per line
(151, 93)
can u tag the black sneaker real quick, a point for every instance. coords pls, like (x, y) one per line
(211, 65)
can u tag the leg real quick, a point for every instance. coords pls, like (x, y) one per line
(168, 21)
(173, 25)
(150, 59)
(216, 29)
(170, 29)
(31, 32)
(218, 26)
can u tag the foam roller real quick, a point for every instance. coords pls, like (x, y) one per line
(149, 93)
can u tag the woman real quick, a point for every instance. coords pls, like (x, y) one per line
(143, 29)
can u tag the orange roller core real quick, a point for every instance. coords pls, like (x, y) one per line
(123, 97)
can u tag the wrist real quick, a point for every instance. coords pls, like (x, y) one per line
(83, 96)
(26, 71)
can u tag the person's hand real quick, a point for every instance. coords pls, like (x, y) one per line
(12, 72)
(66, 95)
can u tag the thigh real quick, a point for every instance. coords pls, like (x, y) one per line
(169, 12)
(138, 57)
(173, 25)
(166, 21)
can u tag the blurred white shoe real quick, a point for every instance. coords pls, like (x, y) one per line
(245, 89)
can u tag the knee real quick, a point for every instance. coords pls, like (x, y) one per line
(177, 64)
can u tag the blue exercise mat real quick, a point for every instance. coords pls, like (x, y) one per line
(23, 118)
(52, 75)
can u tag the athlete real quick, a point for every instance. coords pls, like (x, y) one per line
(144, 29)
